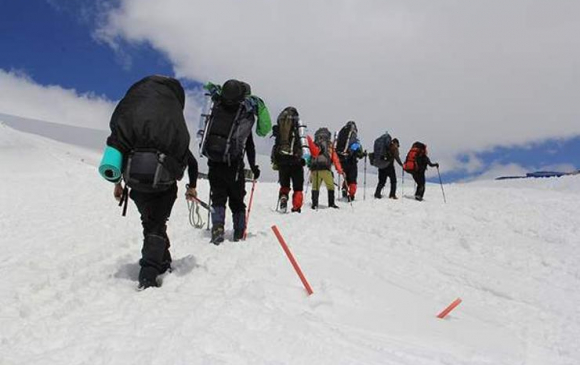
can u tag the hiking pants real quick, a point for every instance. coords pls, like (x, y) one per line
(389, 172)
(419, 178)
(292, 173)
(319, 176)
(350, 169)
(228, 185)
(155, 209)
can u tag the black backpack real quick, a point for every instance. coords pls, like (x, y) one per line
(346, 137)
(287, 136)
(151, 171)
(322, 139)
(148, 127)
(228, 129)
(380, 155)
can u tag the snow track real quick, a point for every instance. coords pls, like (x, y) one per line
(380, 272)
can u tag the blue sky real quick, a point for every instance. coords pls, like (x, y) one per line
(55, 47)
(54, 43)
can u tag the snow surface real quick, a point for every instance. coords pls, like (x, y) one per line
(381, 271)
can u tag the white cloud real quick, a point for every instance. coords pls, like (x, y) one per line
(460, 76)
(21, 96)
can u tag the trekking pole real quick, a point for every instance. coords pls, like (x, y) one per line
(340, 187)
(317, 183)
(209, 211)
(402, 182)
(441, 183)
(365, 180)
(249, 208)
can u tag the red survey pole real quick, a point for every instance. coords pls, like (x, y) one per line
(249, 209)
(451, 307)
(292, 260)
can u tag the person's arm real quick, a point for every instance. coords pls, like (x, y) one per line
(192, 172)
(336, 162)
(118, 191)
(430, 163)
(398, 157)
(251, 153)
(314, 150)
(192, 169)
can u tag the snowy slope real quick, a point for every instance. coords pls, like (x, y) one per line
(380, 270)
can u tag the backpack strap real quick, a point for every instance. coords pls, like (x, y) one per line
(229, 140)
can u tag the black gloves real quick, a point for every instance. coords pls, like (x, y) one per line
(256, 171)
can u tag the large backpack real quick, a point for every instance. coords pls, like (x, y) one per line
(418, 149)
(381, 155)
(148, 127)
(346, 137)
(322, 139)
(228, 129)
(287, 143)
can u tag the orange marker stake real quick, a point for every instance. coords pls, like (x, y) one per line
(451, 307)
(292, 260)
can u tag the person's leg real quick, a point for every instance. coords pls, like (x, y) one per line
(297, 174)
(285, 173)
(420, 185)
(382, 182)
(236, 194)
(329, 181)
(393, 179)
(344, 186)
(419, 178)
(351, 177)
(155, 209)
(218, 181)
(316, 181)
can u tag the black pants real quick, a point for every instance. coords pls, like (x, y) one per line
(389, 172)
(291, 173)
(155, 209)
(419, 178)
(350, 169)
(227, 185)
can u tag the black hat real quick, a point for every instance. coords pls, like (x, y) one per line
(233, 91)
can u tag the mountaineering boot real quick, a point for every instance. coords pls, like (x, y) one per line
(284, 203)
(147, 278)
(351, 191)
(239, 219)
(331, 200)
(218, 218)
(152, 253)
(394, 197)
(378, 193)
(217, 234)
(166, 263)
(315, 194)
(344, 192)
(297, 198)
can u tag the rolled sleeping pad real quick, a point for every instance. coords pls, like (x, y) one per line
(111, 164)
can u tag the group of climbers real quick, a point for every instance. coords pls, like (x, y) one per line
(149, 150)
(293, 150)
